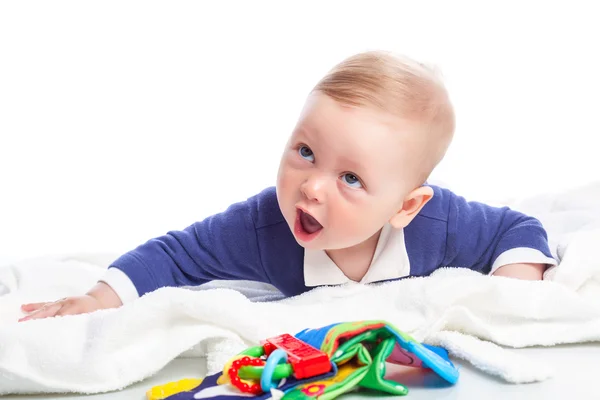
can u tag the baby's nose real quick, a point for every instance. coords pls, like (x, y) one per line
(315, 188)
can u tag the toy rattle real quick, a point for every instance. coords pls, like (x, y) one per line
(322, 363)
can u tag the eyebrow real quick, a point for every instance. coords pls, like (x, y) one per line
(354, 166)
(303, 131)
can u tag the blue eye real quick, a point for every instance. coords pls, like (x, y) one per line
(352, 181)
(306, 153)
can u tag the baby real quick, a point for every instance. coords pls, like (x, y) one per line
(351, 203)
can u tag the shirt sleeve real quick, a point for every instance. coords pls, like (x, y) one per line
(485, 238)
(221, 247)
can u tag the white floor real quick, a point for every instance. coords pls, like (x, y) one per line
(576, 375)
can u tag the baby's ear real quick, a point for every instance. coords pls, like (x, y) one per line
(412, 205)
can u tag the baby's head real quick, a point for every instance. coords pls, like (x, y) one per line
(371, 132)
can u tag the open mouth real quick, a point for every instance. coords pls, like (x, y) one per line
(307, 227)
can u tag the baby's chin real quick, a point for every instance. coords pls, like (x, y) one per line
(310, 246)
(322, 245)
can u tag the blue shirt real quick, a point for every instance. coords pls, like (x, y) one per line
(252, 241)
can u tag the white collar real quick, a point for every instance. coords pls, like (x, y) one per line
(390, 261)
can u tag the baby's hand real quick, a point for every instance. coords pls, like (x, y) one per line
(66, 306)
(100, 297)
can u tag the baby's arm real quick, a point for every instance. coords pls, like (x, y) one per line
(223, 246)
(499, 241)
(527, 271)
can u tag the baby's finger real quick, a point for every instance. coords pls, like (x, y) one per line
(71, 308)
(33, 306)
(49, 310)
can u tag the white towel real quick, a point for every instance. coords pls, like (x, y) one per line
(111, 349)
(468, 313)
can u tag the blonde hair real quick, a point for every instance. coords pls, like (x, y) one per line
(401, 87)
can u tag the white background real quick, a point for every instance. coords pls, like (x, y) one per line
(122, 120)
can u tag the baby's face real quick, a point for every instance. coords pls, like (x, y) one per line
(344, 173)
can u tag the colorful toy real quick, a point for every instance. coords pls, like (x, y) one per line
(322, 363)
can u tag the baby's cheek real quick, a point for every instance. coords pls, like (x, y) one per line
(285, 181)
(352, 223)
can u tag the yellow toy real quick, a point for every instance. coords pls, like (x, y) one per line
(163, 391)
